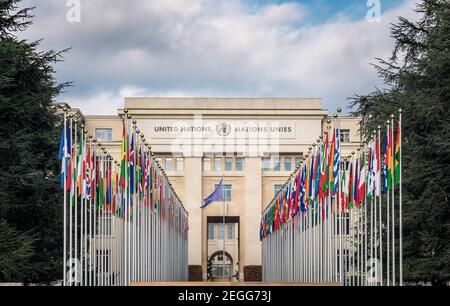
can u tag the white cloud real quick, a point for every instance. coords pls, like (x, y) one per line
(209, 48)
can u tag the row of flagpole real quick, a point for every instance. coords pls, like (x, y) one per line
(123, 221)
(334, 220)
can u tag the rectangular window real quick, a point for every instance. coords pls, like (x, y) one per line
(239, 163)
(228, 163)
(276, 163)
(345, 136)
(210, 231)
(227, 192)
(266, 163)
(287, 163)
(206, 164)
(169, 164)
(230, 231)
(218, 164)
(298, 159)
(277, 189)
(220, 231)
(180, 164)
(104, 135)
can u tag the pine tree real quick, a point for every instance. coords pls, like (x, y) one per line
(417, 79)
(29, 135)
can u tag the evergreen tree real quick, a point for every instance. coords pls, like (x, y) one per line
(417, 79)
(29, 135)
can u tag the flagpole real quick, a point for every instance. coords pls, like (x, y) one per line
(393, 199)
(74, 179)
(223, 229)
(400, 199)
(388, 221)
(379, 204)
(64, 166)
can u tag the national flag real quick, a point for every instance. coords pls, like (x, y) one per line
(302, 195)
(362, 178)
(385, 164)
(344, 191)
(356, 184)
(371, 178)
(124, 157)
(377, 166)
(131, 161)
(337, 161)
(397, 157)
(331, 162)
(351, 200)
(216, 195)
(389, 162)
(324, 171)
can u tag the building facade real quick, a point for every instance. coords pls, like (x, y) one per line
(253, 145)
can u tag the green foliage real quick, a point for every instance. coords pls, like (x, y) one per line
(16, 251)
(417, 79)
(29, 136)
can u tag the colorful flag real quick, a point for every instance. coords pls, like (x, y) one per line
(124, 157)
(389, 162)
(337, 161)
(397, 157)
(362, 178)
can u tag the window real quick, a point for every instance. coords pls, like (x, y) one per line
(239, 163)
(230, 231)
(220, 231)
(228, 163)
(103, 135)
(210, 231)
(169, 164)
(298, 159)
(287, 163)
(345, 136)
(277, 189)
(218, 164)
(206, 164)
(227, 192)
(276, 163)
(266, 163)
(159, 160)
(180, 164)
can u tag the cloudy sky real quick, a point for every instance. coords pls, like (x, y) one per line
(215, 48)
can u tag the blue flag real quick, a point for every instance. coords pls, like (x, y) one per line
(337, 161)
(215, 196)
(61, 146)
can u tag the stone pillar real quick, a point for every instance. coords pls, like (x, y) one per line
(192, 202)
(252, 216)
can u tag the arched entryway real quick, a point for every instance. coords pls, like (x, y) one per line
(220, 268)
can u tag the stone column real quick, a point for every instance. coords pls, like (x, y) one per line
(251, 220)
(192, 202)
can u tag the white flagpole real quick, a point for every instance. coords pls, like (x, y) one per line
(379, 206)
(75, 178)
(223, 229)
(393, 201)
(388, 222)
(64, 165)
(70, 207)
(94, 216)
